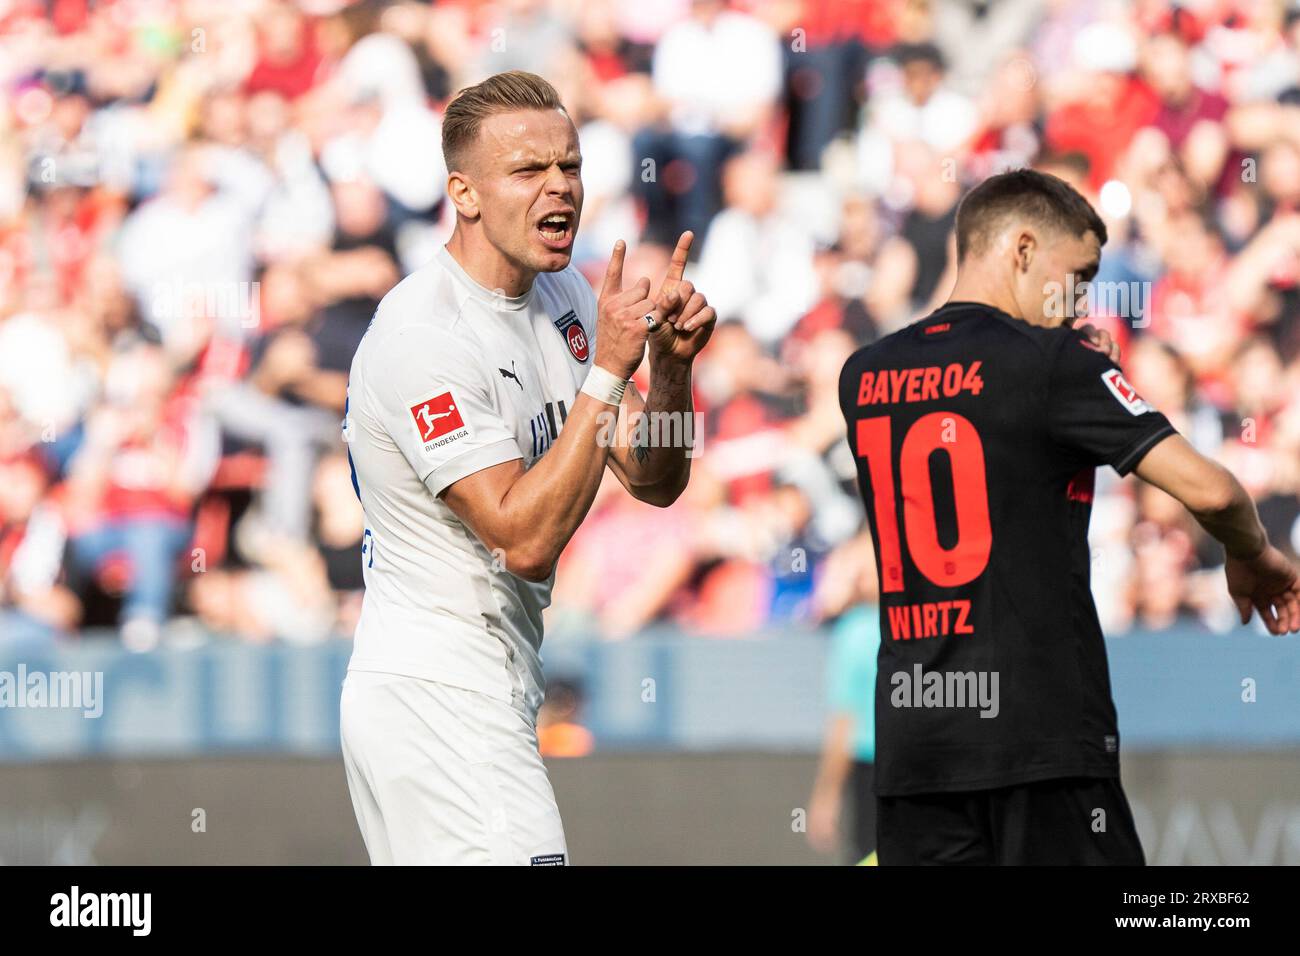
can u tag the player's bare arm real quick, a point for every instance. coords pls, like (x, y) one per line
(651, 471)
(1259, 575)
(530, 515)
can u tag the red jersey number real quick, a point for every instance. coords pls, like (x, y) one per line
(957, 437)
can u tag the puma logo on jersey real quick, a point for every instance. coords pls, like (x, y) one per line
(511, 374)
(438, 420)
(1125, 393)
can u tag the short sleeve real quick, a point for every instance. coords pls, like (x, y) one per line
(435, 401)
(1095, 412)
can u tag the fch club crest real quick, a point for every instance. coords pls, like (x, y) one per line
(574, 336)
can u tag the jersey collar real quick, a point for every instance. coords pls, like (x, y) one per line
(495, 299)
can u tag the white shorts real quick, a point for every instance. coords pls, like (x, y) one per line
(441, 775)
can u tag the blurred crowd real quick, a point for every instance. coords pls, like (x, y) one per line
(201, 203)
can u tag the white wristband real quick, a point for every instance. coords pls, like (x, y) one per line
(604, 386)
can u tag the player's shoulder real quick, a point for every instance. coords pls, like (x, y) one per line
(428, 297)
(420, 316)
(1071, 354)
(417, 325)
(1054, 352)
(1039, 341)
(1069, 359)
(1052, 339)
(1039, 345)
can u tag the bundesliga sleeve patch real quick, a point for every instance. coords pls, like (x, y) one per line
(438, 421)
(1125, 393)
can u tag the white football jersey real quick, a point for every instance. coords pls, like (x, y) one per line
(451, 378)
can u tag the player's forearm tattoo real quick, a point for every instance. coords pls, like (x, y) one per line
(669, 396)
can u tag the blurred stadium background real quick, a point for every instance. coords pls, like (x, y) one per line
(201, 203)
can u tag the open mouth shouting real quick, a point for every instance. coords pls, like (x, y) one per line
(556, 229)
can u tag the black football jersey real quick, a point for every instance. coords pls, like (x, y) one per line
(976, 437)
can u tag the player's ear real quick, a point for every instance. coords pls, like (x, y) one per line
(1025, 247)
(463, 195)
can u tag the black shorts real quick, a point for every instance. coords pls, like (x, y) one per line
(1075, 821)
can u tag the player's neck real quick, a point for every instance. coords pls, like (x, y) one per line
(486, 265)
(972, 285)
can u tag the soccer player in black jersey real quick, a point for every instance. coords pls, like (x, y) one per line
(977, 431)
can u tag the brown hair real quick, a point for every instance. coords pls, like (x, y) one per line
(501, 93)
(1028, 194)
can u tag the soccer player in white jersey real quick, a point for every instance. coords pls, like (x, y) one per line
(479, 410)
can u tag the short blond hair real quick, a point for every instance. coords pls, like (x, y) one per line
(501, 93)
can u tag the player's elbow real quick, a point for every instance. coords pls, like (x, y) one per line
(532, 562)
(661, 494)
(1216, 493)
(1202, 485)
(660, 498)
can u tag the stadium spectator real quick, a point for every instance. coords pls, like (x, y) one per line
(825, 69)
(716, 74)
(559, 730)
(34, 606)
(1102, 103)
(758, 259)
(146, 455)
(913, 105)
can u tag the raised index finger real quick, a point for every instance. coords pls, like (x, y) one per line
(677, 266)
(614, 271)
